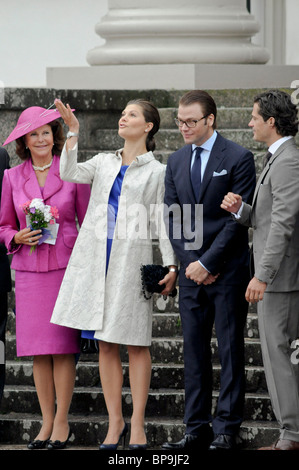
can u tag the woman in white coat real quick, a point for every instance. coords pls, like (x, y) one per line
(101, 292)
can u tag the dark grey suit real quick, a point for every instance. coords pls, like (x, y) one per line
(5, 279)
(274, 216)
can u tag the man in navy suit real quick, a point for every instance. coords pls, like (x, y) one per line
(214, 269)
(5, 281)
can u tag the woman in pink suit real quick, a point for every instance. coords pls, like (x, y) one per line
(40, 264)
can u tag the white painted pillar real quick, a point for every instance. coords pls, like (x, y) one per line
(177, 32)
(272, 18)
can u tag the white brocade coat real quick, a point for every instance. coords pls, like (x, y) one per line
(113, 305)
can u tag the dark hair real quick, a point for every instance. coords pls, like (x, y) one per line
(151, 114)
(204, 99)
(278, 104)
(58, 136)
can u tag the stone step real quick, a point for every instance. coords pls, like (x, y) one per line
(169, 325)
(227, 118)
(171, 139)
(163, 375)
(168, 306)
(89, 430)
(165, 324)
(161, 402)
(169, 350)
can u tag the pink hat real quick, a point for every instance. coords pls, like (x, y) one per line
(30, 119)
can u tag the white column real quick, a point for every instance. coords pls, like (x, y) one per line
(177, 32)
(272, 18)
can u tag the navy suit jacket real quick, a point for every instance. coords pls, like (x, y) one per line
(5, 278)
(224, 247)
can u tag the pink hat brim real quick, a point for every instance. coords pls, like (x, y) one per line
(30, 119)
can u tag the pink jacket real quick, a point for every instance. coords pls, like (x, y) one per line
(19, 186)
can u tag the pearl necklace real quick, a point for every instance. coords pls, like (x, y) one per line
(42, 168)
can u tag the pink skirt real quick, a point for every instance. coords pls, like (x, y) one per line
(36, 295)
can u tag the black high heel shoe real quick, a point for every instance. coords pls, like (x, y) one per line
(55, 445)
(138, 446)
(122, 436)
(37, 444)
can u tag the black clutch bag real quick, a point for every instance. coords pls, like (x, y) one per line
(151, 274)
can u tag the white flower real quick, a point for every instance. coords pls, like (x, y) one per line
(47, 213)
(38, 204)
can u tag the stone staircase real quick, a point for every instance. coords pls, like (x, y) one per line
(19, 411)
(20, 414)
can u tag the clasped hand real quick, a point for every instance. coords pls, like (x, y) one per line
(197, 273)
(26, 236)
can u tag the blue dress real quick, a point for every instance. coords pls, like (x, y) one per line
(112, 215)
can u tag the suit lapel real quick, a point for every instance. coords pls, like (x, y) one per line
(268, 166)
(53, 182)
(31, 187)
(261, 179)
(52, 185)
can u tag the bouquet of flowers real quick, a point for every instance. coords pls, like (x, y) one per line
(40, 216)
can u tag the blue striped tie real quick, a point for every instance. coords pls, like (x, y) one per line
(196, 172)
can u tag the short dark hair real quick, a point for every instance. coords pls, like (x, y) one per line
(58, 136)
(278, 104)
(151, 114)
(204, 99)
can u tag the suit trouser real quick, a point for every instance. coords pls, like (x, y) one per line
(278, 316)
(3, 319)
(199, 308)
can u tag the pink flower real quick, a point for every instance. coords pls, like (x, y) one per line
(25, 207)
(54, 212)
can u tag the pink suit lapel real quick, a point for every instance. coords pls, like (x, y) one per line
(53, 182)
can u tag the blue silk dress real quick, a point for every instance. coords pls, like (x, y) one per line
(112, 215)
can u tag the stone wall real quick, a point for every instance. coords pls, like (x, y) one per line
(99, 111)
